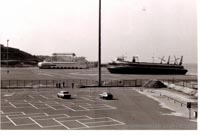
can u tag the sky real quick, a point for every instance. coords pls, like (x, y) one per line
(146, 28)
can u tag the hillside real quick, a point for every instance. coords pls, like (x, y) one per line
(16, 57)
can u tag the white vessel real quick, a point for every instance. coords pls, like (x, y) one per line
(64, 61)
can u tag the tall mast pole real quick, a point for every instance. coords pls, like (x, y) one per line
(99, 60)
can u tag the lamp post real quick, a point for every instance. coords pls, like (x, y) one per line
(7, 57)
(99, 50)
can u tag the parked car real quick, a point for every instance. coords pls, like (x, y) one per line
(106, 95)
(63, 94)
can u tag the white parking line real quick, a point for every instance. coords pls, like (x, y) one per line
(99, 122)
(61, 123)
(88, 99)
(35, 115)
(105, 125)
(109, 120)
(58, 116)
(67, 115)
(83, 107)
(35, 122)
(11, 120)
(46, 114)
(116, 121)
(14, 114)
(12, 105)
(102, 109)
(52, 126)
(51, 107)
(72, 120)
(56, 102)
(33, 106)
(109, 106)
(5, 122)
(69, 108)
(2, 112)
(43, 96)
(31, 96)
(40, 101)
(88, 117)
(82, 123)
(97, 126)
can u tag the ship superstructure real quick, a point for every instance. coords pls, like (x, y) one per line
(64, 61)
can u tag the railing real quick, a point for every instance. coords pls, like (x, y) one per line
(67, 83)
(185, 83)
(83, 82)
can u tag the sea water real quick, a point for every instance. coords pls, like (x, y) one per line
(191, 67)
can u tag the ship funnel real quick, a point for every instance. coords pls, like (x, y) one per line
(181, 61)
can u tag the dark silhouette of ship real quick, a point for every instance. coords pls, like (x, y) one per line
(120, 66)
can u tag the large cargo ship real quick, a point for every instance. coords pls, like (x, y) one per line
(120, 66)
(64, 61)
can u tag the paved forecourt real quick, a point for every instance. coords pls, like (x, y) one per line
(43, 110)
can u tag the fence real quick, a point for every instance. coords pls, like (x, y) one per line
(67, 83)
(185, 83)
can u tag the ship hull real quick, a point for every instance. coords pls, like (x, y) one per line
(158, 69)
(62, 65)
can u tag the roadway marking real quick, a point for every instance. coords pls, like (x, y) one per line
(33, 106)
(83, 107)
(116, 121)
(44, 97)
(109, 106)
(46, 114)
(52, 116)
(109, 123)
(69, 108)
(31, 96)
(88, 99)
(14, 114)
(35, 122)
(51, 107)
(35, 115)
(5, 122)
(61, 123)
(87, 122)
(82, 123)
(40, 101)
(88, 117)
(12, 105)
(11, 120)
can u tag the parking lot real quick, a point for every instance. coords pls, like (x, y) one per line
(44, 110)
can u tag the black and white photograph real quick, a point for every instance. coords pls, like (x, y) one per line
(99, 66)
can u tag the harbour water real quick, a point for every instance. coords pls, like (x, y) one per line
(192, 68)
